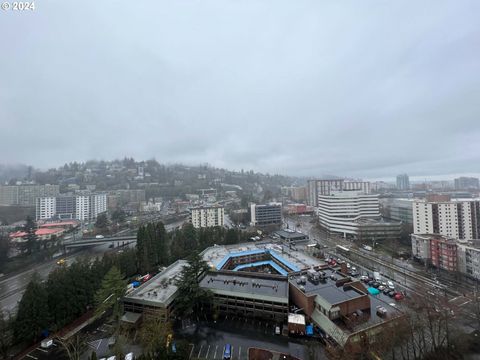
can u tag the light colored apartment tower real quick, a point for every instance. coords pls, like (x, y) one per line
(316, 188)
(341, 210)
(468, 254)
(458, 218)
(45, 207)
(207, 216)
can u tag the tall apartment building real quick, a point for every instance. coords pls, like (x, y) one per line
(437, 250)
(25, 195)
(468, 255)
(316, 188)
(466, 183)
(459, 219)
(266, 214)
(403, 182)
(80, 207)
(443, 253)
(207, 216)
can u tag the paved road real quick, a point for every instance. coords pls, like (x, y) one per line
(12, 287)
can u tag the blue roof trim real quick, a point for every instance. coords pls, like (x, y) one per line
(240, 253)
(283, 261)
(227, 257)
(260, 263)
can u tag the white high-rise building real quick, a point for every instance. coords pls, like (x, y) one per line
(458, 218)
(316, 188)
(341, 211)
(80, 207)
(98, 205)
(45, 207)
(207, 216)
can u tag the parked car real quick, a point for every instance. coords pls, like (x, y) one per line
(391, 293)
(398, 296)
(381, 288)
(376, 284)
(227, 352)
(386, 291)
(381, 311)
(390, 285)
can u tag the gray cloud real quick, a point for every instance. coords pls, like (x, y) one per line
(366, 89)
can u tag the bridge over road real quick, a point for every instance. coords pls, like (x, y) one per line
(117, 240)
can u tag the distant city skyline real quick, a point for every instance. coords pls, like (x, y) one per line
(414, 179)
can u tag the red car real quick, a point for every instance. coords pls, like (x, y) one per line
(398, 296)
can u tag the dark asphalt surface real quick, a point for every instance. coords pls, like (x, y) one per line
(208, 339)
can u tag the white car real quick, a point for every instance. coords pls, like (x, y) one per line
(390, 285)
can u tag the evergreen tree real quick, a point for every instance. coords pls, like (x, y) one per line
(4, 249)
(5, 335)
(33, 315)
(231, 237)
(161, 246)
(190, 296)
(32, 240)
(118, 216)
(102, 221)
(142, 250)
(110, 292)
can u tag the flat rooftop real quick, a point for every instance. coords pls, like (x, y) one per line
(291, 235)
(160, 289)
(328, 289)
(268, 288)
(215, 254)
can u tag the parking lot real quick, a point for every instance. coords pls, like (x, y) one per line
(208, 339)
(53, 352)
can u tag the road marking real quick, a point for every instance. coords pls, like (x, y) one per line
(193, 346)
(45, 351)
(208, 350)
(33, 357)
(239, 352)
(215, 354)
(199, 351)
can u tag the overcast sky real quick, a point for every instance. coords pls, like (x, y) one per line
(353, 88)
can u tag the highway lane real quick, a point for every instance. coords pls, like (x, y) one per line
(12, 287)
